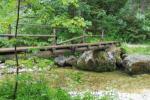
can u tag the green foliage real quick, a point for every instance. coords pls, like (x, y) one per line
(68, 2)
(76, 22)
(4, 43)
(31, 88)
(32, 62)
(24, 41)
(121, 20)
(73, 26)
(136, 49)
(7, 13)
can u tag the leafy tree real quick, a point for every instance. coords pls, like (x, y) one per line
(126, 20)
(7, 14)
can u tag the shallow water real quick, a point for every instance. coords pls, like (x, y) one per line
(101, 81)
(118, 95)
(77, 80)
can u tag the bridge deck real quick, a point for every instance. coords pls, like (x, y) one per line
(62, 48)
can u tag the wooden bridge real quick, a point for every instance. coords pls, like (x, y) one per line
(57, 49)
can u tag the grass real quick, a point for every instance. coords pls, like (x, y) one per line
(137, 49)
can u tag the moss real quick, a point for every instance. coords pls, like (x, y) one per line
(103, 63)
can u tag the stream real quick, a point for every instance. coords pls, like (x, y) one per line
(121, 80)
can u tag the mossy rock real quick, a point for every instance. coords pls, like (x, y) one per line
(99, 60)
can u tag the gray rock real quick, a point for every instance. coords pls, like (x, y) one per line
(137, 64)
(60, 60)
(99, 60)
(65, 61)
(86, 61)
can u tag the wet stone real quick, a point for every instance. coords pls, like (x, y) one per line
(137, 64)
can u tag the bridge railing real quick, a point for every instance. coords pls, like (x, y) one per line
(83, 38)
(53, 35)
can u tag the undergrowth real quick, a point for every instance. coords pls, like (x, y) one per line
(31, 62)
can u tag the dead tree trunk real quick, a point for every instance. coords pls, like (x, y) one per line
(16, 56)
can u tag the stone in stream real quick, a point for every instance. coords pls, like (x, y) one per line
(100, 60)
(60, 61)
(65, 61)
(137, 64)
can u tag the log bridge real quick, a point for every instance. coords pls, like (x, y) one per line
(55, 48)
(60, 49)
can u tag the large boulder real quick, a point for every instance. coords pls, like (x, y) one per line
(63, 61)
(137, 64)
(100, 60)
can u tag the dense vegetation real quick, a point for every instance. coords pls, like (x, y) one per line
(126, 20)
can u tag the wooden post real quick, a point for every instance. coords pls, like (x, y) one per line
(142, 4)
(102, 35)
(55, 37)
(83, 39)
(9, 31)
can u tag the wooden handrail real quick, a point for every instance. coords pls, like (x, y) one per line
(73, 39)
(80, 37)
(24, 35)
